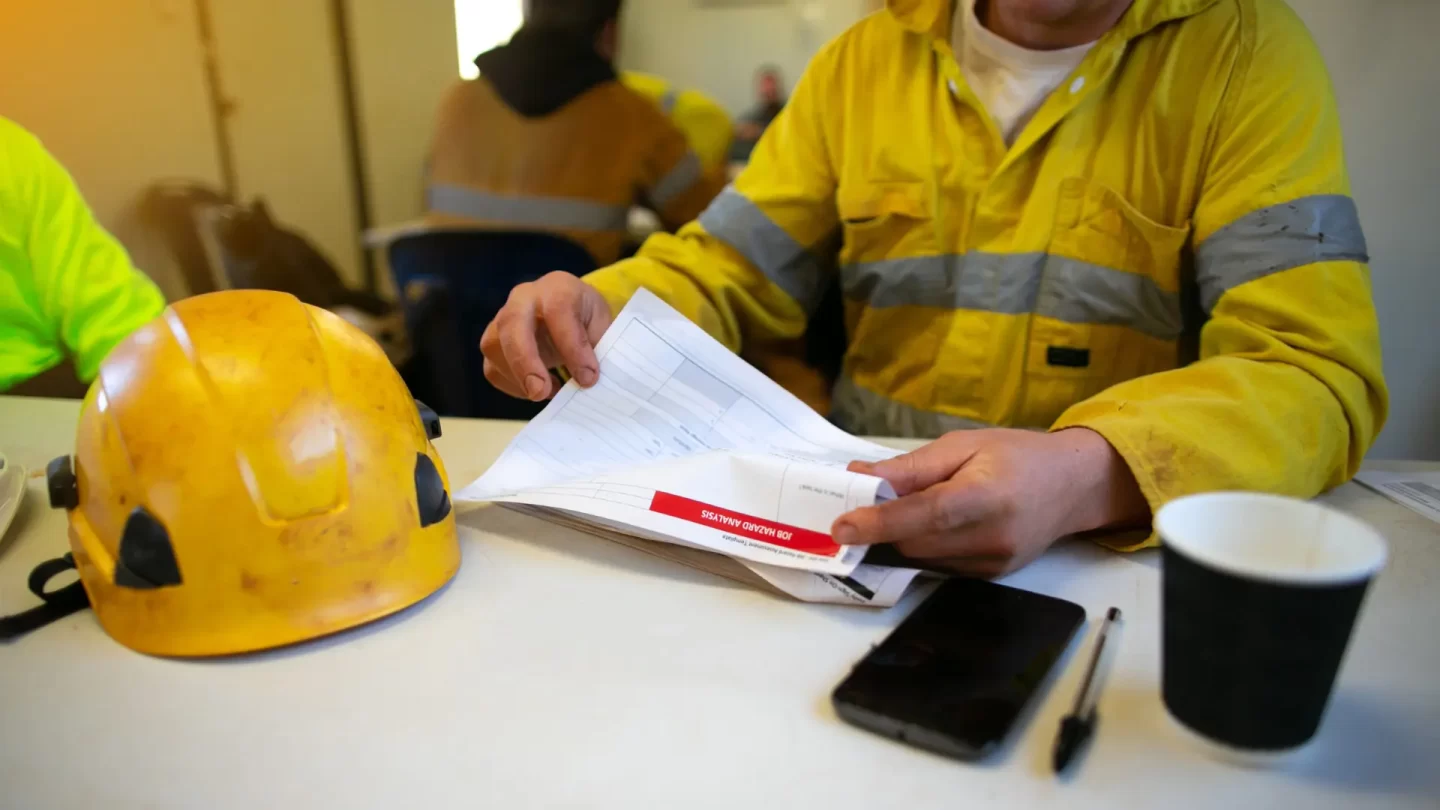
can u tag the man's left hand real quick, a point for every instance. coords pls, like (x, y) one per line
(986, 502)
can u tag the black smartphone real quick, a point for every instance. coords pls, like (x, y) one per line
(955, 675)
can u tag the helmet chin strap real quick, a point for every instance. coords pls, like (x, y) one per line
(56, 604)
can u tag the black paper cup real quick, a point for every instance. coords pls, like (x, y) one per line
(1260, 594)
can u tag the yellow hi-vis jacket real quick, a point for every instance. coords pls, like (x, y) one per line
(1168, 253)
(707, 127)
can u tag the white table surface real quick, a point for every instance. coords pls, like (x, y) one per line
(558, 670)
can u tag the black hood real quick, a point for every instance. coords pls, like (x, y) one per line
(542, 69)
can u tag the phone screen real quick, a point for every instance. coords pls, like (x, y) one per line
(955, 675)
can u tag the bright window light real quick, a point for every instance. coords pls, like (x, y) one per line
(481, 25)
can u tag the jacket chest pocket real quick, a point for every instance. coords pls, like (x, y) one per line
(1108, 302)
(1096, 225)
(882, 221)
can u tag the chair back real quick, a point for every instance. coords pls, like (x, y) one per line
(451, 284)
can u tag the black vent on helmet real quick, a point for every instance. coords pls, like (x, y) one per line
(429, 419)
(147, 559)
(430, 495)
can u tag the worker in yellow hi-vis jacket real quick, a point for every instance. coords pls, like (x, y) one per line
(1128, 223)
(706, 125)
(710, 132)
(549, 139)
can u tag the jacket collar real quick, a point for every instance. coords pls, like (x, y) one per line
(933, 16)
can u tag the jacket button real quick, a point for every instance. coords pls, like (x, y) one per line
(1077, 84)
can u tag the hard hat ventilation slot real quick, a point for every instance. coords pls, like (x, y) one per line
(430, 495)
(429, 419)
(146, 560)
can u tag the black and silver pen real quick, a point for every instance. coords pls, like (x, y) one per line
(1079, 725)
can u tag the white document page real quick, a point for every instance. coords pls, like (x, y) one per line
(867, 585)
(682, 440)
(1419, 491)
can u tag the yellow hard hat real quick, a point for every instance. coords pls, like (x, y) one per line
(250, 471)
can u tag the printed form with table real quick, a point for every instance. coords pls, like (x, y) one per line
(684, 450)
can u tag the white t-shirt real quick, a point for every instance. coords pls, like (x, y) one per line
(1010, 81)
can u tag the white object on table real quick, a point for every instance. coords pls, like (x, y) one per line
(683, 442)
(12, 492)
(1419, 491)
(640, 223)
(381, 236)
(558, 670)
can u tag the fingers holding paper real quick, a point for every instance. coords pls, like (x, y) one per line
(987, 502)
(555, 321)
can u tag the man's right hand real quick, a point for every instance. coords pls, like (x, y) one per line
(545, 324)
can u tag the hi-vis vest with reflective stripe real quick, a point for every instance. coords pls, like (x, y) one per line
(1181, 196)
(574, 172)
(707, 127)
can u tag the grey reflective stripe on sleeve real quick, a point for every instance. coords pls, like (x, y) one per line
(865, 413)
(741, 224)
(667, 101)
(677, 181)
(1016, 283)
(1318, 228)
(526, 212)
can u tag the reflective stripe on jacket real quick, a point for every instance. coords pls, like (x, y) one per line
(574, 172)
(707, 127)
(67, 287)
(1168, 253)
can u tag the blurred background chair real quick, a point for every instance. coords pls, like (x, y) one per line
(179, 211)
(221, 245)
(451, 283)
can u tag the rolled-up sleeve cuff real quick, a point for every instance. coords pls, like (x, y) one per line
(1117, 430)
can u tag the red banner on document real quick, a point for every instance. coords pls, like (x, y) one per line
(766, 531)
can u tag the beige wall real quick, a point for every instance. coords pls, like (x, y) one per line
(405, 58)
(279, 65)
(718, 49)
(115, 91)
(1383, 61)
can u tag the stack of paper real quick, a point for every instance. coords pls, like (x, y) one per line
(686, 451)
(1418, 491)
